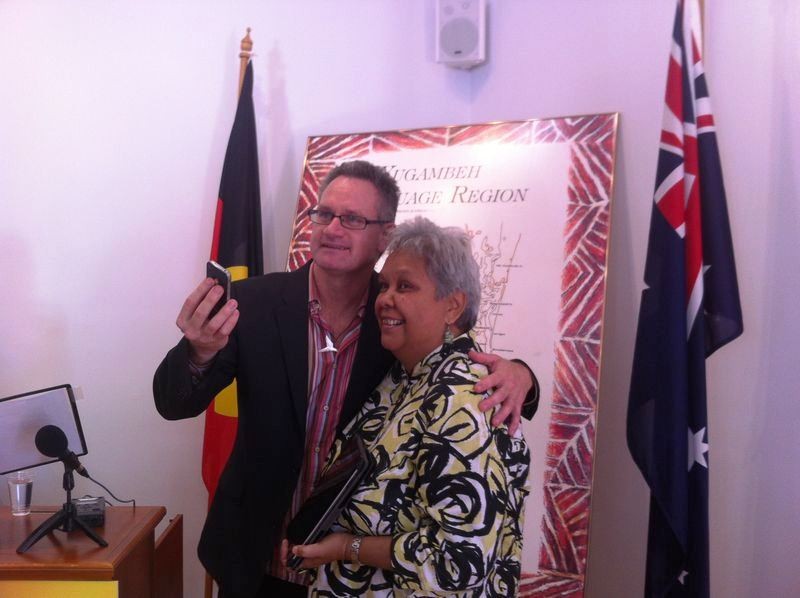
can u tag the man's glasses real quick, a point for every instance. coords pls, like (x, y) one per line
(351, 221)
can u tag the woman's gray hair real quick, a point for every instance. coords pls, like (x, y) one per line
(447, 254)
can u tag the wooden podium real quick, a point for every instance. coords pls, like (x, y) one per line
(71, 565)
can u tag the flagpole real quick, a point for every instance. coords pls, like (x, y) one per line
(244, 57)
(702, 26)
(246, 50)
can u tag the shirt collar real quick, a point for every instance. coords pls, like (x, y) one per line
(315, 307)
(463, 343)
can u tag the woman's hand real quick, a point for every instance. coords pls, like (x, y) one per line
(333, 547)
(509, 383)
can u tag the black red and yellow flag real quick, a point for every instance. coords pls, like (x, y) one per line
(237, 246)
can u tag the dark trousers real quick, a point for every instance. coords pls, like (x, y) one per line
(273, 587)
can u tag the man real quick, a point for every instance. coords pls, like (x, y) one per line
(305, 350)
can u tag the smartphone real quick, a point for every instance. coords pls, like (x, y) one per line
(223, 277)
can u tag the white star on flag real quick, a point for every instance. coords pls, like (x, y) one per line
(697, 448)
(682, 577)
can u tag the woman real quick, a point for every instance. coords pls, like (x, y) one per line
(441, 514)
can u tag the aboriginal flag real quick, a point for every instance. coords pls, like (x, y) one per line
(689, 308)
(237, 246)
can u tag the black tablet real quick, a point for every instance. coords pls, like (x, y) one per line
(320, 511)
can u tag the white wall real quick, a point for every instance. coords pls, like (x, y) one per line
(113, 123)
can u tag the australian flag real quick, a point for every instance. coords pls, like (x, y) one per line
(690, 308)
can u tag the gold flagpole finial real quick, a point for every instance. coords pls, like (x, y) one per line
(244, 57)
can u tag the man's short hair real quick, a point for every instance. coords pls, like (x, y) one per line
(377, 175)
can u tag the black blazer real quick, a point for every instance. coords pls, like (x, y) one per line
(267, 354)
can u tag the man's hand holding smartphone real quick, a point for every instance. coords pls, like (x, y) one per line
(208, 330)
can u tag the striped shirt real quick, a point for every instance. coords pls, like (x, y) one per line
(330, 363)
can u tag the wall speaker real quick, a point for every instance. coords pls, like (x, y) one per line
(461, 32)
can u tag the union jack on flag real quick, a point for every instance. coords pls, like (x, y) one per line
(689, 308)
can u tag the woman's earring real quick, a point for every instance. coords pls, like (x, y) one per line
(448, 336)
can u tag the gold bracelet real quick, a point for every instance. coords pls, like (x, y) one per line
(355, 547)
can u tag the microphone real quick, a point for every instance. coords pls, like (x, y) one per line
(52, 442)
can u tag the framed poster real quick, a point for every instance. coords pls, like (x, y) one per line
(534, 196)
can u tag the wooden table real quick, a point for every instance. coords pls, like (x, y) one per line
(65, 565)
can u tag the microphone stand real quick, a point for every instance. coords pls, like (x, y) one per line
(64, 520)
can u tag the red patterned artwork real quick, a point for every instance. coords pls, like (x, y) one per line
(567, 479)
